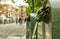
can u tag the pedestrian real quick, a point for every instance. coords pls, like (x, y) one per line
(20, 20)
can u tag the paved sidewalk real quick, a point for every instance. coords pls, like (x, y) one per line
(12, 29)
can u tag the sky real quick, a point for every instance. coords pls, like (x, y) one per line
(55, 3)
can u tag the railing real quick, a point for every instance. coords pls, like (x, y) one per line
(33, 36)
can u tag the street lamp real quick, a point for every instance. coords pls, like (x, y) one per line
(32, 6)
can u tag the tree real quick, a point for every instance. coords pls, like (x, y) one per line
(37, 5)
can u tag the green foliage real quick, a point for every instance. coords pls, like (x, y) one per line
(37, 5)
(56, 23)
(28, 11)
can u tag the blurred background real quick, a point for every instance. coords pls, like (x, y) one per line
(29, 19)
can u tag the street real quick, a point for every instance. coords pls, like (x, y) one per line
(13, 29)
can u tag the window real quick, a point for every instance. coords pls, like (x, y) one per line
(0, 14)
(6, 14)
(0, 7)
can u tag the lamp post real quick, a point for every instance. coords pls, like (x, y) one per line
(31, 23)
(32, 6)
